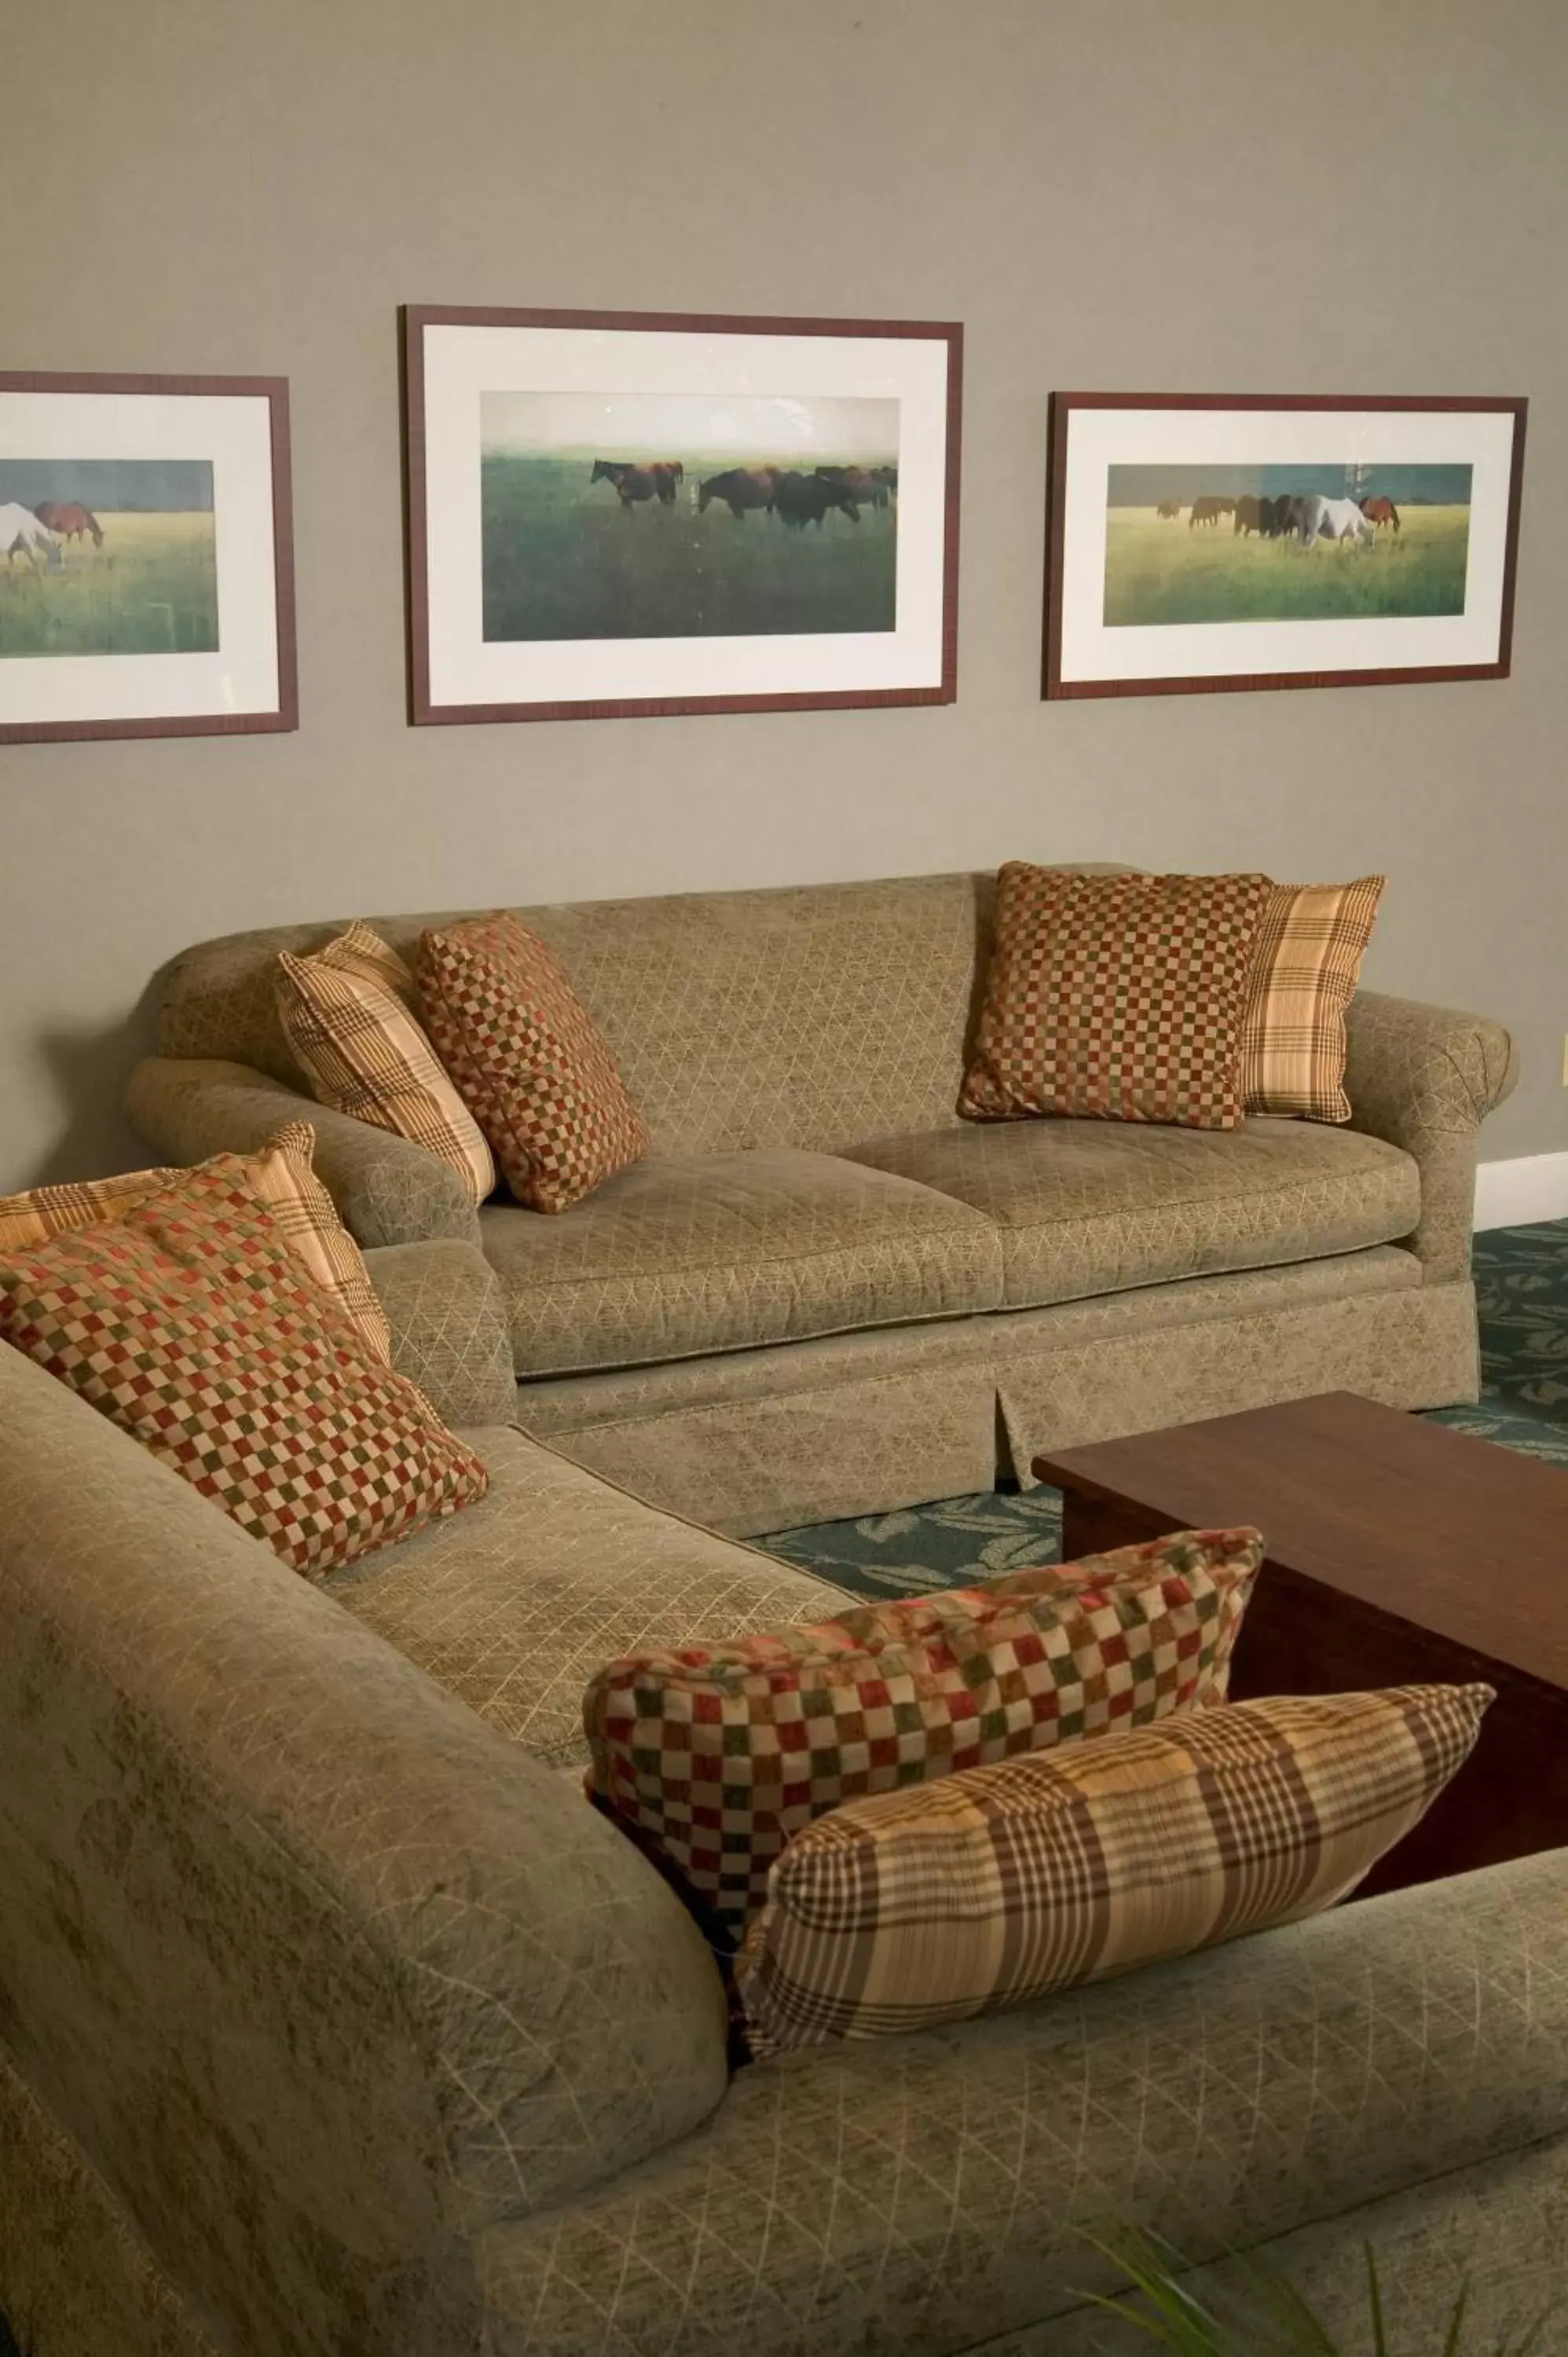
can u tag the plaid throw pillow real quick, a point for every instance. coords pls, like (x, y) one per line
(712, 1757)
(190, 1322)
(281, 1178)
(530, 1061)
(1005, 1883)
(346, 1013)
(1115, 997)
(1305, 962)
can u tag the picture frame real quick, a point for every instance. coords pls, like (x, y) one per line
(148, 582)
(1201, 542)
(627, 513)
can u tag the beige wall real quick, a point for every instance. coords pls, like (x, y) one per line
(1312, 195)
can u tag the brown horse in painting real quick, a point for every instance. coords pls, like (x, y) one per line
(1379, 512)
(70, 520)
(656, 480)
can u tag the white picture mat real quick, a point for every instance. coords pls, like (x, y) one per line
(1098, 439)
(234, 431)
(462, 363)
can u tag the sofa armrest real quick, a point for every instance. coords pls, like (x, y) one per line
(942, 2187)
(322, 1974)
(1426, 1078)
(387, 1191)
(443, 1304)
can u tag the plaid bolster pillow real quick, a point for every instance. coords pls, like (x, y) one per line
(1005, 1883)
(710, 1757)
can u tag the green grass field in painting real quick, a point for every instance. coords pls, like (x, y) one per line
(1162, 572)
(151, 589)
(563, 560)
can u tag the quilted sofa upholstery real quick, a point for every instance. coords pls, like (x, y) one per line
(333, 2020)
(797, 1055)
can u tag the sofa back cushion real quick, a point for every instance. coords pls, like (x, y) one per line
(818, 1016)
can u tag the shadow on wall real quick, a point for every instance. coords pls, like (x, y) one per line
(88, 1069)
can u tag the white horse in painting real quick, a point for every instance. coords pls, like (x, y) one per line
(1338, 520)
(21, 535)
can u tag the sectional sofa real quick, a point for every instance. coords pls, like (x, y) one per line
(823, 1294)
(335, 2023)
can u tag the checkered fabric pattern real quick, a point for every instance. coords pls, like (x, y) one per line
(530, 1059)
(1115, 997)
(346, 1012)
(1005, 1883)
(713, 1757)
(1305, 962)
(190, 1323)
(282, 1178)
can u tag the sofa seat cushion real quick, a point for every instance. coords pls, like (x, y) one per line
(513, 1605)
(693, 1254)
(1089, 1207)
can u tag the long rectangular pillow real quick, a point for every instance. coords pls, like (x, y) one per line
(712, 1757)
(1002, 1884)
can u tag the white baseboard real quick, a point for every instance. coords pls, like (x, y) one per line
(1513, 1194)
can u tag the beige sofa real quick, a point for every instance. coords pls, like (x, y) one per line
(333, 2022)
(823, 1294)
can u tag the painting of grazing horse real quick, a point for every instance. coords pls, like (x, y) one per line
(1340, 520)
(23, 534)
(858, 482)
(1169, 510)
(1379, 512)
(70, 520)
(740, 488)
(1248, 515)
(1209, 509)
(799, 499)
(634, 483)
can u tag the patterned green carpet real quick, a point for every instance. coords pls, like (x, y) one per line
(1522, 1276)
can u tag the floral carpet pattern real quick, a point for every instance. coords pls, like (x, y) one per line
(1521, 1278)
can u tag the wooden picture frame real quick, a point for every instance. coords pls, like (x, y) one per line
(549, 575)
(1134, 609)
(174, 617)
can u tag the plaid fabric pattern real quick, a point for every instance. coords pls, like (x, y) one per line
(46, 1211)
(1305, 962)
(282, 1178)
(191, 1324)
(346, 1013)
(713, 1757)
(1005, 1883)
(530, 1061)
(1115, 997)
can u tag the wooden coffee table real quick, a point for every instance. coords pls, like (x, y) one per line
(1398, 1552)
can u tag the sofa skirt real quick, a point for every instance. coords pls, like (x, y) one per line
(758, 1441)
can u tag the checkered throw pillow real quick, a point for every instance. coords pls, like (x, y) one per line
(712, 1757)
(1305, 962)
(190, 1322)
(348, 1014)
(1115, 997)
(280, 1176)
(1005, 1883)
(530, 1061)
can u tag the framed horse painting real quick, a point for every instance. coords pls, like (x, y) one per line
(1203, 541)
(618, 512)
(148, 585)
